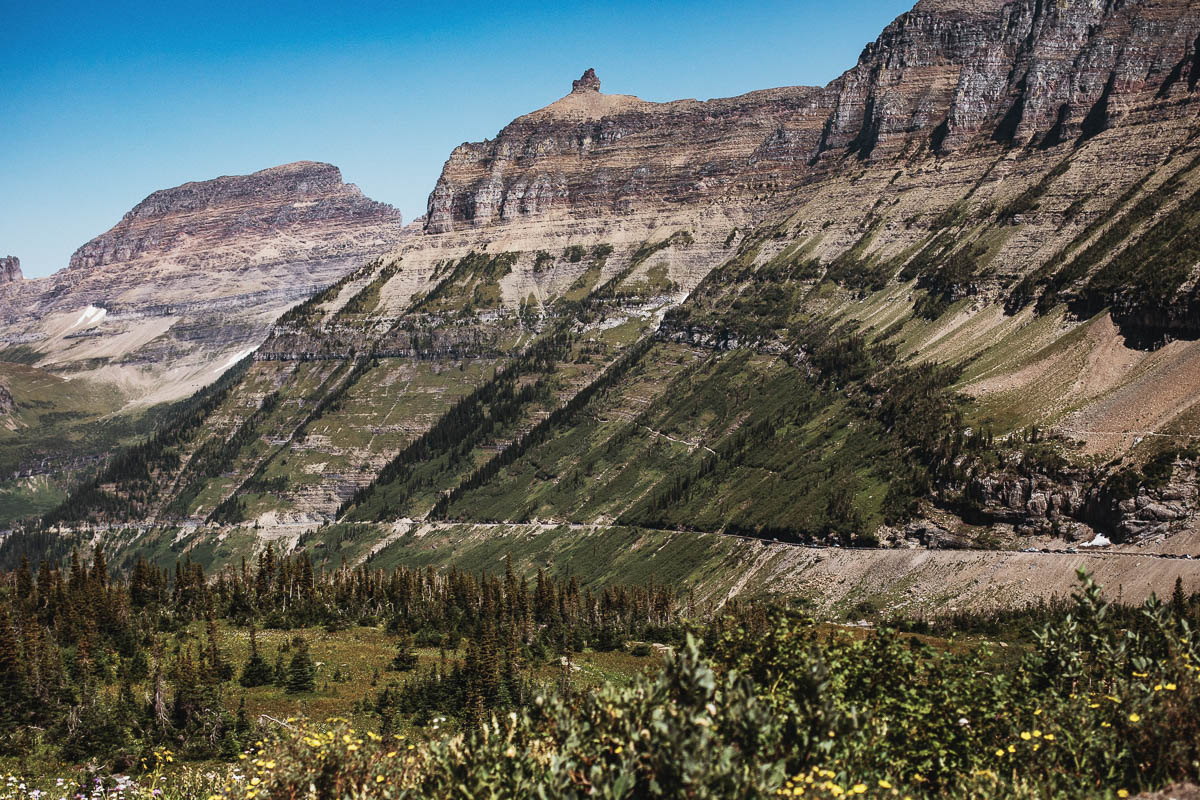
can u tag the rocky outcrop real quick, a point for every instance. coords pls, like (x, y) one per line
(10, 270)
(1076, 502)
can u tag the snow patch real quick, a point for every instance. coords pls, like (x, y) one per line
(235, 358)
(1100, 541)
(90, 316)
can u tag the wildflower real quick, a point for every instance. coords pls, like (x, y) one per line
(999, 754)
(1158, 687)
(1049, 737)
(1122, 793)
(884, 784)
(379, 779)
(1134, 718)
(1037, 734)
(859, 788)
(1171, 687)
(1025, 735)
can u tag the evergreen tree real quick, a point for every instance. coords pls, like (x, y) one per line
(301, 675)
(256, 672)
(14, 686)
(242, 726)
(281, 673)
(405, 659)
(1178, 599)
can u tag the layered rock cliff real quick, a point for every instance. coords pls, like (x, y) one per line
(944, 77)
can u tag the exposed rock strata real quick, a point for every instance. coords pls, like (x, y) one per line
(937, 79)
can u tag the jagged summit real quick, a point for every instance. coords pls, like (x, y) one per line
(586, 102)
(10, 269)
(588, 82)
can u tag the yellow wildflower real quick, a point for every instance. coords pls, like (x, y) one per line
(885, 785)
(1122, 793)
(1025, 735)
(1134, 718)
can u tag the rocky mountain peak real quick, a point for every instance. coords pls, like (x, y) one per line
(10, 269)
(201, 215)
(588, 82)
(301, 180)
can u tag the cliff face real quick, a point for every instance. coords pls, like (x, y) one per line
(944, 77)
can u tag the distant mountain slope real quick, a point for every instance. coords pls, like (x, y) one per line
(187, 283)
(946, 300)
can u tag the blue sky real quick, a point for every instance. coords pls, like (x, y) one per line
(102, 103)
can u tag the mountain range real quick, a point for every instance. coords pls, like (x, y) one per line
(947, 303)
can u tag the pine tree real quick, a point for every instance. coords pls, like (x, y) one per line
(14, 687)
(281, 673)
(405, 659)
(302, 675)
(1178, 599)
(256, 672)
